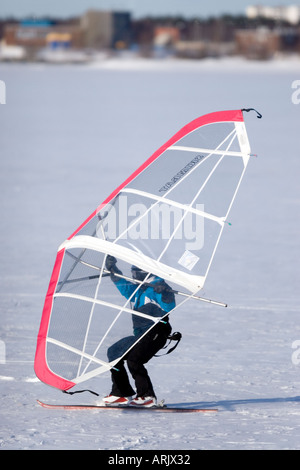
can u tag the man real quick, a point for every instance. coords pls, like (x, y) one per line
(154, 298)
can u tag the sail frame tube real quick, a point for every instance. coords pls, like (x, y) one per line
(190, 282)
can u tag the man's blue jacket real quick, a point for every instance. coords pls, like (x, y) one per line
(146, 300)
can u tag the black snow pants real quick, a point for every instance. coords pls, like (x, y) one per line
(139, 355)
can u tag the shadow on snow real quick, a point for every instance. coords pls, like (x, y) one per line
(231, 405)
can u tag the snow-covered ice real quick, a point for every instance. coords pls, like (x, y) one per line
(69, 136)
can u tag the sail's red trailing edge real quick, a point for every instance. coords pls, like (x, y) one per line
(40, 364)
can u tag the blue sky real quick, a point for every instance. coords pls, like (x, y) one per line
(187, 8)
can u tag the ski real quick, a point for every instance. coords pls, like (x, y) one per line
(164, 408)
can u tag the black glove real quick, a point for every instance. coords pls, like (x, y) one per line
(111, 265)
(160, 288)
(166, 292)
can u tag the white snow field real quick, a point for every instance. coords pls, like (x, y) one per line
(69, 135)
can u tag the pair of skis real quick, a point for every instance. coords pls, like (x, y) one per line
(158, 408)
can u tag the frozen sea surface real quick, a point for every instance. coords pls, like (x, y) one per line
(69, 136)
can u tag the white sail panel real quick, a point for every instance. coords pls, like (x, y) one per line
(167, 218)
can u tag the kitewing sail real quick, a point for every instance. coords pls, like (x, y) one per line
(167, 219)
